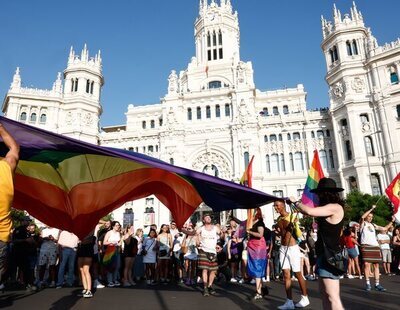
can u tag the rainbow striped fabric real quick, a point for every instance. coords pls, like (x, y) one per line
(70, 184)
(393, 192)
(247, 180)
(314, 175)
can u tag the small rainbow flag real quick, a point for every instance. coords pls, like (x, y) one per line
(314, 175)
(246, 180)
(393, 192)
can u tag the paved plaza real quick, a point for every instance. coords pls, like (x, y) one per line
(232, 296)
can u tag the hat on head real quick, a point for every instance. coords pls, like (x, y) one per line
(327, 185)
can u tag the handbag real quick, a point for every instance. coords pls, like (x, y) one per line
(210, 256)
(163, 253)
(336, 260)
(144, 250)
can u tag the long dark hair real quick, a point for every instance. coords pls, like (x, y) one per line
(330, 197)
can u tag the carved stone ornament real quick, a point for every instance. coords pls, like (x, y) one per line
(173, 82)
(68, 118)
(358, 85)
(337, 90)
(213, 159)
(88, 119)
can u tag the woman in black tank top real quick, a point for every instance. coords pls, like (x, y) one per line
(330, 215)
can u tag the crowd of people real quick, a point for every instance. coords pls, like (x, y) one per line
(202, 253)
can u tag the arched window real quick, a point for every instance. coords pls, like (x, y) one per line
(275, 111)
(214, 84)
(217, 111)
(312, 134)
(348, 47)
(74, 85)
(369, 146)
(398, 110)
(152, 124)
(331, 160)
(272, 138)
(91, 87)
(227, 110)
(208, 111)
(265, 112)
(289, 137)
(208, 40)
(285, 109)
(296, 136)
(246, 158)
(349, 153)
(394, 76)
(87, 86)
(144, 124)
(267, 162)
(282, 160)
(150, 148)
(171, 161)
(33, 118)
(220, 37)
(328, 133)
(198, 112)
(376, 184)
(298, 161)
(331, 55)
(274, 163)
(214, 39)
(324, 158)
(22, 117)
(160, 121)
(291, 162)
(355, 48)
(265, 138)
(280, 137)
(335, 53)
(320, 133)
(43, 118)
(189, 114)
(364, 118)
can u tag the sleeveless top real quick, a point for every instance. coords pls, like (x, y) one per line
(368, 234)
(209, 239)
(6, 197)
(331, 234)
(115, 237)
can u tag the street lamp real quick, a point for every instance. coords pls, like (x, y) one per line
(368, 153)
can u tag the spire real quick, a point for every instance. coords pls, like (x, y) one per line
(16, 83)
(71, 56)
(57, 85)
(85, 54)
(337, 16)
(98, 56)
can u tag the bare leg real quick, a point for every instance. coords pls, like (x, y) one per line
(288, 283)
(302, 283)
(258, 286)
(332, 291)
(211, 278)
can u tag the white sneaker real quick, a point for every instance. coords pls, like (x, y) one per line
(233, 280)
(304, 302)
(268, 279)
(264, 279)
(253, 281)
(287, 305)
(148, 282)
(350, 276)
(116, 283)
(241, 281)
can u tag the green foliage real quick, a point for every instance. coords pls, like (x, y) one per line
(358, 203)
(17, 216)
(108, 217)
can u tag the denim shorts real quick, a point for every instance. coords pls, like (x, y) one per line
(322, 269)
(352, 252)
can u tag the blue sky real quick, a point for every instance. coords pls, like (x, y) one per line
(142, 40)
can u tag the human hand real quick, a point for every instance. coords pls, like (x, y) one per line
(373, 207)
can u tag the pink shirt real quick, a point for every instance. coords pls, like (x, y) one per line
(68, 240)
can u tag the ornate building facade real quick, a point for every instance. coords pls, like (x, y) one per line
(213, 118)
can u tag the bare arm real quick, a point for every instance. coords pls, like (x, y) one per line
(258, 234)
(326, 211)
(366, 214)
(12, 155)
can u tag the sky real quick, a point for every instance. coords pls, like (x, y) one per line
(141, 41)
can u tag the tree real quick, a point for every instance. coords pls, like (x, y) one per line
(358, 203)
(17, 216)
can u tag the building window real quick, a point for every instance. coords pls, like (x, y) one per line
(298, 161)
(320, 134)
(144, 124)
(280, 137)
(394, 76)
(291, 162)
(274, 163)
(275, 111)
(152, 124)
(208, 40)
(376, 184)
(272, 138)
(289, 137)
(324, 158)
(91, 88)
(189, 114)
(278, 193)
(353, 183)
(171, 161)
(265, 138)
(331, 160)
(335, 53)
(355, 48)
(214, 84)
(87, 86)
(217, 111)
(227, 110)
(209, 55)
(198, 111)
(246, 157)
(221, 53)
(33, 118)
(157, 148)
(150, 149)
(398, 111)
(364, 118)
(369, 146)
(268, 165)
(282, 161)
(328, 133)
(285, 109)
(312, 134)
(265, 111)
(160, 121)
(74, 85)
(296, 136)
(208, 111)
(220, 37)
(43, 118)
(349, 154)
(22, 117)
(348, 47)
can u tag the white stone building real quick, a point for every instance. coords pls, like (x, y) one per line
(213, 118)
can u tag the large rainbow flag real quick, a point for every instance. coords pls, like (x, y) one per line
(247, 180)
(314, 175)
(70, 184)
(393, 192)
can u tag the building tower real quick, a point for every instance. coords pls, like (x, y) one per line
(362, 138)
(83, 80)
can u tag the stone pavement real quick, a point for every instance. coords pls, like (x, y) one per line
(176, 297)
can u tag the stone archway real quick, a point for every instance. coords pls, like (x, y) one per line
(213, 163)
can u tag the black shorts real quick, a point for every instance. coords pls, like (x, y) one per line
(85, 250)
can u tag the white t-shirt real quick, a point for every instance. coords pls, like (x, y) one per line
(368, 235)
(384, 237)
(209, 239)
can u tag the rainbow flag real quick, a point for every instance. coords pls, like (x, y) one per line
(110, 258)
(246, 180)
(393, 192)
(70, 184)
(314, 175)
